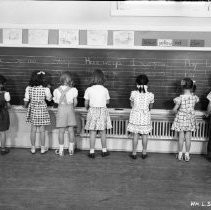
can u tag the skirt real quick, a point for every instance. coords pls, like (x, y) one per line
(37, 114)
(184, 122)
(141, 129)
(65, 116)
(4, 120)
(98, 119)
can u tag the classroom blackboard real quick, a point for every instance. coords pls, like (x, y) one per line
(164, 68)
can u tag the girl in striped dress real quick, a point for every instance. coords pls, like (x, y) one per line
(66, 98)
(37, 113)
(96, 98)
(185, 120)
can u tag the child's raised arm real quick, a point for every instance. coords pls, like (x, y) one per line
(75, 102)
(86, 104)
(209, 108)
(48, 94)
(150, 106)
(176, 107)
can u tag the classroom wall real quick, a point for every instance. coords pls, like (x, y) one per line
(86, 13)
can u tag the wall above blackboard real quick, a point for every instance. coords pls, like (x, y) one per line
(105, 38)
(165, 69)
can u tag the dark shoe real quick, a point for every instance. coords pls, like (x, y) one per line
(91, 155)
(144, 156)
(133, 156)
(104, 154)
(4, 151)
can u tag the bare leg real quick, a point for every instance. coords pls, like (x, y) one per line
(3, 139)
(92, 139)
(71, 134)
(144, 143)
(33, 134)
(188, 141)
(135, 143)
(181, 141)
(61, 136)
(103, 139)
(71, 140)
(42, 135)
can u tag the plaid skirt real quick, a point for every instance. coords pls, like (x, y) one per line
(98, 119)
(37, 114)
(184, 122)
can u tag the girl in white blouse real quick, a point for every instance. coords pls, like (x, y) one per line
(96, 98)
(66, 98)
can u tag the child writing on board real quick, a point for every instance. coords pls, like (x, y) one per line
(185, 120)
(140, 118)
(37, 113)
(66, 98)
(96, 98)
(209, 105)
(4, 115)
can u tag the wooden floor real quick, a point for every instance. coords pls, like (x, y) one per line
(116, 182)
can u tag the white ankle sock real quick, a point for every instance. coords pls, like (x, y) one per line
(71, 146)
(92, 151)
(104, 149)
(61, 147)
(187, 153)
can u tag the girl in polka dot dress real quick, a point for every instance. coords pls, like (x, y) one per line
(140, 118)
(96, 98)
(185, 120)
(37, 113)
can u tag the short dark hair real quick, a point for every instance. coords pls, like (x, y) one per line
(98, 77)
(38, 78)
(188, 83)
(3, 81)
(142, 79)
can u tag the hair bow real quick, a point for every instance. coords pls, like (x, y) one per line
(194, 82)
(143, 87)
(41, 72)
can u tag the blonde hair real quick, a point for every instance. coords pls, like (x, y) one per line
(65, 78)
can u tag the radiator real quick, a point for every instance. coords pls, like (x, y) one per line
(161, 123)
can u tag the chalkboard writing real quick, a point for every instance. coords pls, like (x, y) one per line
(165, 69)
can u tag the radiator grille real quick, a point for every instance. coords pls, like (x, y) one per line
(161, 130)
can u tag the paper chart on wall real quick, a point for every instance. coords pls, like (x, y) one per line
(123, 38)
(12, 36)
(97, 37)
(68, 37)
(38, 36)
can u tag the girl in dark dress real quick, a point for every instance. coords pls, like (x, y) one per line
(4, 115)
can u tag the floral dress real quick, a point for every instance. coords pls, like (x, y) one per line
(185, 119)
(140, 117)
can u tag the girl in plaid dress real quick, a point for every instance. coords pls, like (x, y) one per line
(185, 120)
(4, 115)
(140, 117)
(98, 119)
(37, 113)
(66, 98)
